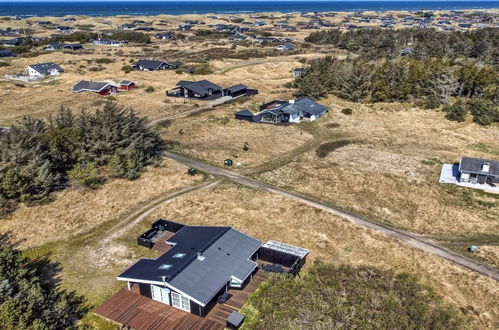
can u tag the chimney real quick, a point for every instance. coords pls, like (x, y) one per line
(485, 167)
(291, 101)
(200, 256)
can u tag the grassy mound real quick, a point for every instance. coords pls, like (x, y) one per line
(330, 297)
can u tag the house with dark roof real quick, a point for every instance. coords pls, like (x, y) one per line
(150, 65)
(478, 170)
(107, 42)
(166, 36)
(286, 47)
(202, 89)
(43, 69)
(6, 53)
(99, 87)
(202, 263)
(59, 45)
(282, 112)
(103, 87)
(207, 90)
(54, 46)
(73, 46)
(126, 85)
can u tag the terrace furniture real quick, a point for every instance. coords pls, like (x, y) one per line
(224, 297)
(273, 268)
(234, 320)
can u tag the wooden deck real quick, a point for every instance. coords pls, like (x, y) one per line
(130, 309)
(160, 244)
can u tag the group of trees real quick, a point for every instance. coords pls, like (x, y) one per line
(330, 297)
(30, 297)
(482, 44)
(427, 82)
(38, 157)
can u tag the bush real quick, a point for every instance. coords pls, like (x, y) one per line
(4, 64)
(87, 175)
(484, 112)
(103, 60)
(178, 71)
(456, 112)
(344, 297)
(126, 68)
(150, 89)
(431, 102)
(203, 69)
(346, 111)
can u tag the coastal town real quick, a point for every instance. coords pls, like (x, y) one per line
(225, 171)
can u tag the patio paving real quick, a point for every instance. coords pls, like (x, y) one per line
(450, 172)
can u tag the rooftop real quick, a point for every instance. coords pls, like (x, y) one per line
(479, 165)
(201, 260)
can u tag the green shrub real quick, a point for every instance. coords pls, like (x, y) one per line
(203, 69)
(346, 111)
(126, 68)
(431, 102)
(150, 89)
(87, 175)
(484, 112)
(4, 64)
(103, 60)
(344, 297)
(456, 112)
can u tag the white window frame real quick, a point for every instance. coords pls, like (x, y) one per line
(163, 294)
(181, 302)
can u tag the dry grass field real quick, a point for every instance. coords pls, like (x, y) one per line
(383, 162)
(77, 210)
(45, 97)
(267, 216)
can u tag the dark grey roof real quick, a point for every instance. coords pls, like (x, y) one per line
(237, 88)
(304, 105)
(149, 64)
(126, 82)
(475, 165)
(199, 87)
(225, 253)
(92, 86)
(73, 46)
(245, 113)
(45, 68)
(56, 45)
(6, 52)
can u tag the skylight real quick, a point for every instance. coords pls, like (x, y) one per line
(165, 266)
(179, 255)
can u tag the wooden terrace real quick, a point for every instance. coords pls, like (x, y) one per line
(129, 308)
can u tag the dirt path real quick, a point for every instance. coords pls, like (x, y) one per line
(136, 217)
(207, 107)
(411, 239)
(320, 135)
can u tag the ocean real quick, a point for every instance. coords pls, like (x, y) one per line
(150, 8)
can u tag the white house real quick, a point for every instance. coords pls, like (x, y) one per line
(43, 69)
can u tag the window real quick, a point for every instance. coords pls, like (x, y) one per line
(181, 302)
(165, 267)
(179, 255)
(160, 294)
